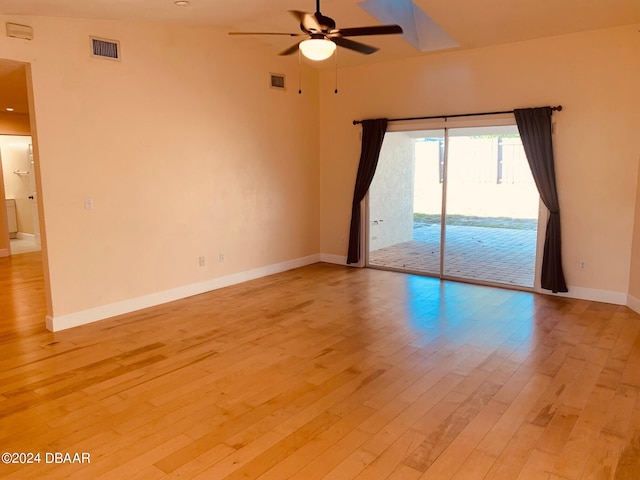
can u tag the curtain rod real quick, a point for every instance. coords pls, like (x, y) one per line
(356, 122)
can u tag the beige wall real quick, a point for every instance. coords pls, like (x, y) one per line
(184, 149)
(186, 152)
(634, 280)
(594, 75)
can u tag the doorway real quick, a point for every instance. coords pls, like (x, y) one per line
(19, 215)
(18, 168)
(16, 114)
(456, 202)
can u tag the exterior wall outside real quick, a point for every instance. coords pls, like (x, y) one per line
(473, 181)
(391, 193)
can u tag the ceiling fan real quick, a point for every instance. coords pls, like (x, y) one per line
(323, 36)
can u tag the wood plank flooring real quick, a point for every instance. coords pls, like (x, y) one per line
(323, 373)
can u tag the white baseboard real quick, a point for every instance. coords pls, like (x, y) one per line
(633, 303)
(581, 293)
(335, 259)
(106, 311)
(592, 294)
(84, 317)
(26, 236)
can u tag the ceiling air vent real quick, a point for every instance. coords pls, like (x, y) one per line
(277, 81)
(104, 48)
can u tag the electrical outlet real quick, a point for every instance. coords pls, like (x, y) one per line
(88, 203)
(201, 261)
(221, 257)
(582, 265)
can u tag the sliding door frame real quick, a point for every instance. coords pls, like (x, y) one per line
(446, 124)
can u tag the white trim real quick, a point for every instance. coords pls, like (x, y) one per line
(84, 317)
(592, 294)
(633, 303)
(335, 259)
(26, 236)
(127, 306)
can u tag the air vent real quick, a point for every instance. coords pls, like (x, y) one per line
(15, 30)
(277, 81)
(103, 48)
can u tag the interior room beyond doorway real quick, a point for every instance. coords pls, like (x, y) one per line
(16, 154)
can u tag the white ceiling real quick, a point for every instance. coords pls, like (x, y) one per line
(471, 23)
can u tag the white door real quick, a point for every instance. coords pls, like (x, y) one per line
(34, 196)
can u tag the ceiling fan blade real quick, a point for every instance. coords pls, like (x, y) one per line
(308, 22)
(375, 30)
(267, 33)
(353, 45)
(292, 49)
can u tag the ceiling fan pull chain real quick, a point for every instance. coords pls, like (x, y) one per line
(336, 54)
(299, 73)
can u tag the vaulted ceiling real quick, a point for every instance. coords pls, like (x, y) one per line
(430, 25)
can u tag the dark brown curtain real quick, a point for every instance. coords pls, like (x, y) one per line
(534, 125)
(372, 136)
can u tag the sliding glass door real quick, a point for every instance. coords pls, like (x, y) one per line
(457, 203)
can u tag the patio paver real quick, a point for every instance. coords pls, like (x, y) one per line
(497, 255)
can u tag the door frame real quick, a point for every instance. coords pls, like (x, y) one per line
(446, 124)
(38, 183)
(4, 219)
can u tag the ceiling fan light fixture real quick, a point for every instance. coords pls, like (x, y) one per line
(317, 48)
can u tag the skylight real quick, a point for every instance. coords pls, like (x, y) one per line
(420, 30)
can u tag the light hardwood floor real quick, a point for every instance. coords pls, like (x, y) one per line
(324, 372)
